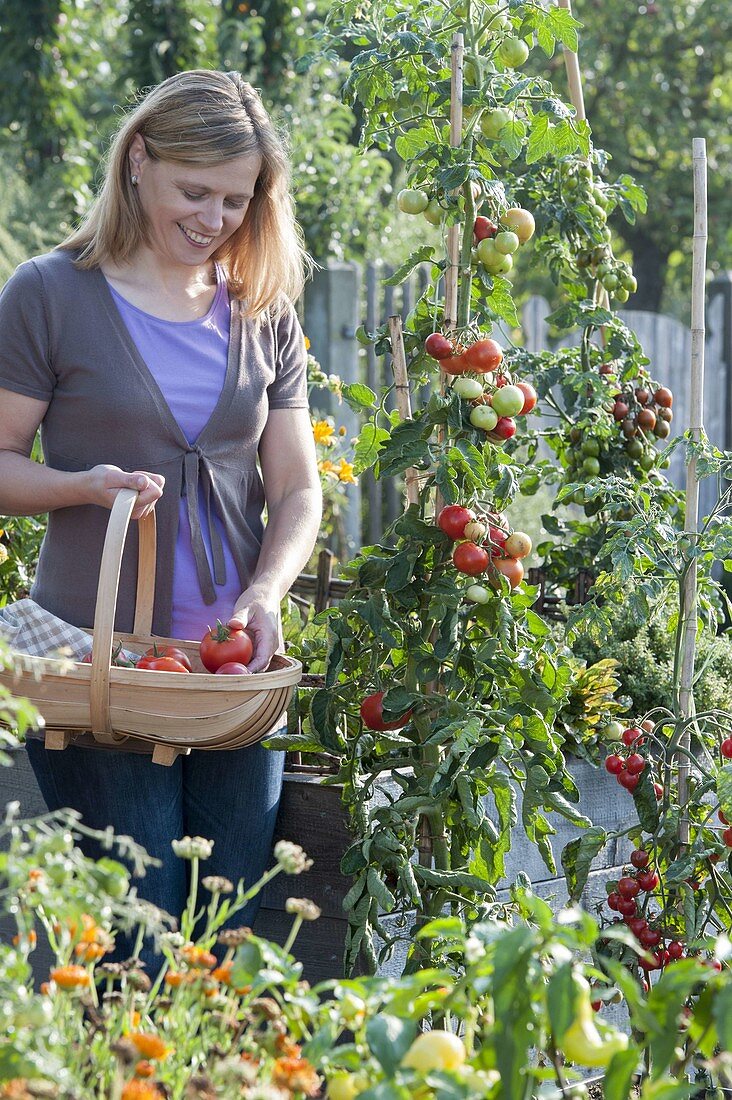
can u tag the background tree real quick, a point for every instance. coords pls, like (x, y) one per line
(656, 75)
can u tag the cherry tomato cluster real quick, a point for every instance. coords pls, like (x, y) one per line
(496, 244)
(484, 545)
(628, 769)
(639, 412)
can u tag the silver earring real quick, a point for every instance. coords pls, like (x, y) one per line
(133, 180)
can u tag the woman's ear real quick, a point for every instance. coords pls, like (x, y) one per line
(137, 155)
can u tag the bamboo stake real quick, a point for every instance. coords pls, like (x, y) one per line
(574, 77)
(403, 400)
(689, 598)
(453, 234)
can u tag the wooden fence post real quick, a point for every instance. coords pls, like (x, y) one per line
(332, 313)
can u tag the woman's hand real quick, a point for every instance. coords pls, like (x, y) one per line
(259, 615)
(106, 481)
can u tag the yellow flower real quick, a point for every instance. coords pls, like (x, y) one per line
(307, 344)
(327, 467)
(345, 472)
(323, 432)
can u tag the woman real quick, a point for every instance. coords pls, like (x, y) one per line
(157, 348)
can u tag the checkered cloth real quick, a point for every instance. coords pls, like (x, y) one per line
(29, 628)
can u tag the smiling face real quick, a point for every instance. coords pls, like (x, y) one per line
(191, 210)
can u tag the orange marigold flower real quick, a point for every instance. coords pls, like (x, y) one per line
(307, 343)
(287, 1046)
(88, 952)
(70, 977)
(297, 1075)
(144, 1068)
(141, 1090)
(30, 938)
(149, 1046)
(198, 956)
(35, 875)
(174, 978)
(45, 988)
(16, 1089)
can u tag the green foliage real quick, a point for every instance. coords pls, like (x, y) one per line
(166, 37)
(644, 652)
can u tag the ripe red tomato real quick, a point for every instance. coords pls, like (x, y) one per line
(646, 418)
(675, 949)
(726, 748)
(483, 355)
(170, 651)
(530, 396)
(483, 228)
(635, 763)
(614, 764)
(511, 568)
(233, 668)
(225, 643)
(658, 791)
(470, 558)
(630, 782)
(497, 538)
(648, 880)
(663, 397)
(633, 735)
(505, 428)
(438, 346)
(453, 520)
(613, 900)
(628, 887)
(454, 364)
(637, 925)
(150, 663)
(620, 410)
(627, 907)
(372, 714)
(639, 859)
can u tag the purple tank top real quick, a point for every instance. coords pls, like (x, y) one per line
(188, 361)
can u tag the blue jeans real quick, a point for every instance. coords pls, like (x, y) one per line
(229, 797)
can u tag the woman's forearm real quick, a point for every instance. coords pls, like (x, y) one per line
(29, 488)
(289, 537)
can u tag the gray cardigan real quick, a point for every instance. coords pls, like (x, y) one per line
(62, 340)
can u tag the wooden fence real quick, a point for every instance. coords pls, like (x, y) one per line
(343, 296)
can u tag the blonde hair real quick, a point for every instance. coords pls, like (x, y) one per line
(204, 117)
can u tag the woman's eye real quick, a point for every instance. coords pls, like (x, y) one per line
(188, 195)
(235, 205)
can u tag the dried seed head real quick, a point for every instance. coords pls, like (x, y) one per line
(302, 907)
(234, 937)
(291, 857)
(217, 884)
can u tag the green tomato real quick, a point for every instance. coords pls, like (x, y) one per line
(346, 1086)
(591, 467)
(634, 449)
(433, 212)
(412, 201)
(469, 388)
(513, 52)
(609, 281)
(621, 294)
(506, 242)
(493, 121)
(484, 417)
(647, 460)
(612, 731)
(476, 593)
(591, 447)
(629, 283)
(508, 401)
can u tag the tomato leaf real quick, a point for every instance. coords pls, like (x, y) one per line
(577, 858)
(619, 1074)
(389, 1039)
(419, 256)
(359, 396)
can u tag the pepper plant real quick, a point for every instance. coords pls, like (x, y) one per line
(442, 685)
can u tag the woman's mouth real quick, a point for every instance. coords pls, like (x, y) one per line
(197, 239)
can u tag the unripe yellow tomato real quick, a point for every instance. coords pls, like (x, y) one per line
(346, 1086)
(435, 1050)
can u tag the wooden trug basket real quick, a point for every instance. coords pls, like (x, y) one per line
(172, 712)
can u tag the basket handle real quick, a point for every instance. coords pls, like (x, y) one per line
(107, 590)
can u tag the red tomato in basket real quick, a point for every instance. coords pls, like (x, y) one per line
(170, 651)
(150, 663)
(224, 644)
(233, 668)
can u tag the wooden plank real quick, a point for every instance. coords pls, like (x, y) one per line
(319, 945)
